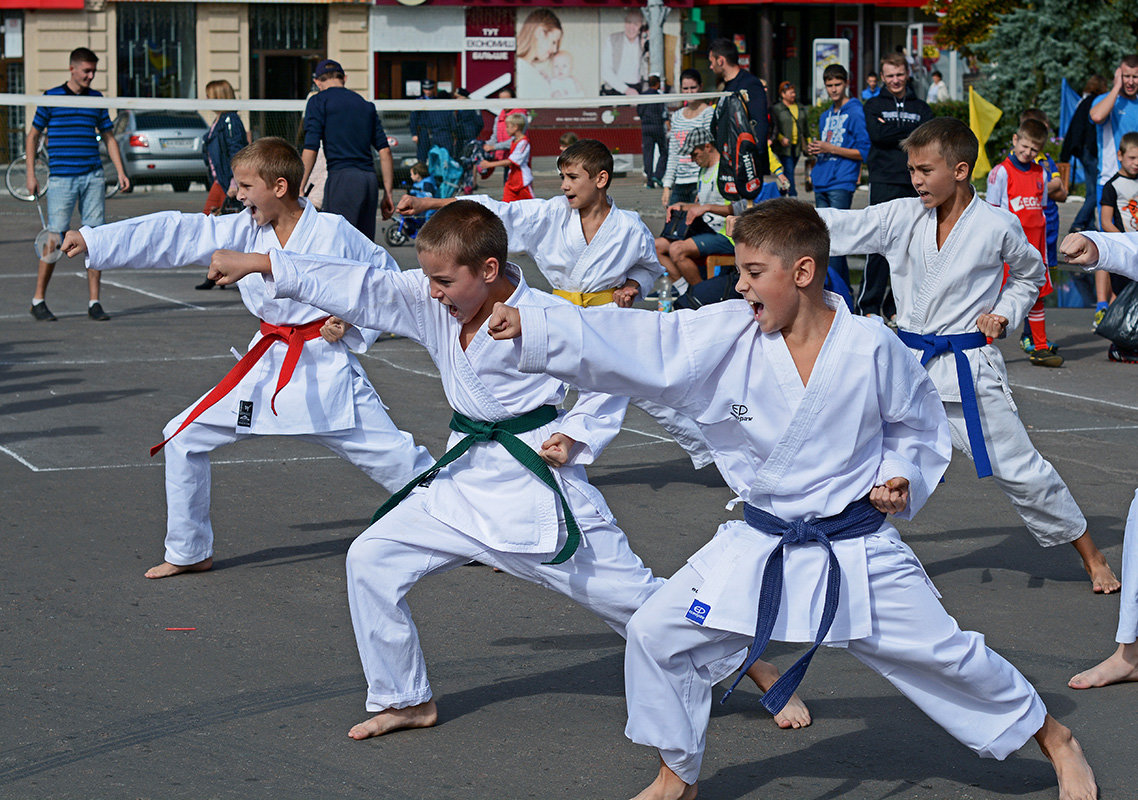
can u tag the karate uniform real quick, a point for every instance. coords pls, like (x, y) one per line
(868, 413)
(944, 292)
(486, 505)
(329, 399)
(550, 232)
(1118, 253)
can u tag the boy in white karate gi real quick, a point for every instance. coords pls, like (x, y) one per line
(591, 252)
(946, 250)
(1117, 253)
(821, 422)
(300, 376)
(497, 502)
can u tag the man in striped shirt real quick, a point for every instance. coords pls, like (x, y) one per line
(76, 169)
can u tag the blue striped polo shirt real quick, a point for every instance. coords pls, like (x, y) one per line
(71, 145)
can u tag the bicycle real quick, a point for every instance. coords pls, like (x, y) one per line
(15, 178)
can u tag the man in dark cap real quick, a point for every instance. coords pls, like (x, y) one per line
(349, 127)
(431, 128)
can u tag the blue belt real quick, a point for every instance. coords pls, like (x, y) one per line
(930, 346)
(855, 520)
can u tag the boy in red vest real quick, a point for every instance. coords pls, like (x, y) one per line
(518, 173)
(1018, 184)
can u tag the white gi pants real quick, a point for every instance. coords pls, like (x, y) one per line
(1039, 495)
(386, 454)
(407, 544)
(966, 688)
(1128, 602)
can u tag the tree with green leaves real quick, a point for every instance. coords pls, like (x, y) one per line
(964, 23)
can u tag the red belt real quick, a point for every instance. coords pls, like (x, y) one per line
(294, 336)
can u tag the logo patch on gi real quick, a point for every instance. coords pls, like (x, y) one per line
(739, 412)
(698, 612)
(245, 414)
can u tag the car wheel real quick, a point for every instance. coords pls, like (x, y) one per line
(181, 184)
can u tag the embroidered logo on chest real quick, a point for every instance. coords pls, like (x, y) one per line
(698, 612)
(739, 412)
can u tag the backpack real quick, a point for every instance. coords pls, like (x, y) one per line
(740, 174)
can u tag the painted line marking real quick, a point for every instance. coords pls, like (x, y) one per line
(1073, 396)
(1079, 430)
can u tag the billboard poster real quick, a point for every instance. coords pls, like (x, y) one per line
(488, 58)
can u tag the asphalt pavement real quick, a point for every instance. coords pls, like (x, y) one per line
(101, 699)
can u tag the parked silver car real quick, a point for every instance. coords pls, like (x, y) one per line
(162, 147)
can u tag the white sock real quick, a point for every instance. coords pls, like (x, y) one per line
(91, 303)
(680, 285)
(36, 301)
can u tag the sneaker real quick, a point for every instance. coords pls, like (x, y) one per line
(41, 312)
(96, 312)
(1046, 357)
(1098, 318)
(1116, 353)
(1027, 344)
(808, 185)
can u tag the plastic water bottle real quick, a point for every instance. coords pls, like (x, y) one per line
(664, 294)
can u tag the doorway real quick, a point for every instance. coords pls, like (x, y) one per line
(286, 42)
(397, 75)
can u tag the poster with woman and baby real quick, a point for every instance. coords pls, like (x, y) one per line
(585, 52)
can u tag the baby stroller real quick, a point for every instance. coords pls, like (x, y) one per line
(455, 177)
(405, 229)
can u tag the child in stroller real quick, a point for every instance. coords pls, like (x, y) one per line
(405, 229)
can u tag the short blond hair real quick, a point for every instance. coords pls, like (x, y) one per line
(271, 158)
(517, 119)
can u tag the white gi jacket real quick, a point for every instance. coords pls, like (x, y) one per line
(868, 413)
(1117, 252)
(486, 494)
(945, 291)
(173, 239)
(550, 232)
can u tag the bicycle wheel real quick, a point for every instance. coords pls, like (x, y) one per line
(16, 178)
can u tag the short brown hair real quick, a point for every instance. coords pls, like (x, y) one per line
(589, 154)
(787, 228)
(895, 59)
(568, 138)
(271, 158)
(1033, 130)
(467, 232)
(83, 55)
(950, 136)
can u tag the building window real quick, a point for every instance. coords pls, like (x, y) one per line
(157, 50)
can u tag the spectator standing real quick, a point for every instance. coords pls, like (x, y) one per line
(224, 138)
(938, 89)
(872, 87)
(724, 58)
(499, 136)
(889, 118)
(432, 128)
(1119, 214)
(349, 128)
(519, 176)
(653, 136)
(76, 170)
(790, 132)
(681, 176)
(1116, 114)
(468, 123)
(842, 145)
(1081, 144)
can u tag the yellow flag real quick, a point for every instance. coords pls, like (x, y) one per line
(982, 119)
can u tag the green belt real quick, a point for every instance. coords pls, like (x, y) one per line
(503, 433)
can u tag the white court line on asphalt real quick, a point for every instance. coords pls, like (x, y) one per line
(94, 361)
(154, 295)
(1079, 430)
(1073, 396)
(227, 462)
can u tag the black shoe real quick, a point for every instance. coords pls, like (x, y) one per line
(206, 284)
(41, 312)
(96, 312)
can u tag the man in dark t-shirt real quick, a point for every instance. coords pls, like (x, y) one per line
(349, 128)
(724, 59)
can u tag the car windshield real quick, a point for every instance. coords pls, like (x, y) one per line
(168, 119)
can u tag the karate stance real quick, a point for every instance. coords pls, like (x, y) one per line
(492, 497)
(300, 376)
(946, 250)
(591, 252)
(1117, 253)
(822, 423)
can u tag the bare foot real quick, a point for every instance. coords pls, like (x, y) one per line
(794, 714)
(1119, 668)
(1094, 562)
(424, 715)
(166, 569)
(1076, 780)
(668, 786)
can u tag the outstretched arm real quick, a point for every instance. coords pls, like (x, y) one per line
(1116, 252)
(166, 239)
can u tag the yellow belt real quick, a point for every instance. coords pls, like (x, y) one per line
(586, 299)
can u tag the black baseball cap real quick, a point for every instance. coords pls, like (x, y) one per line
(325, 67)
